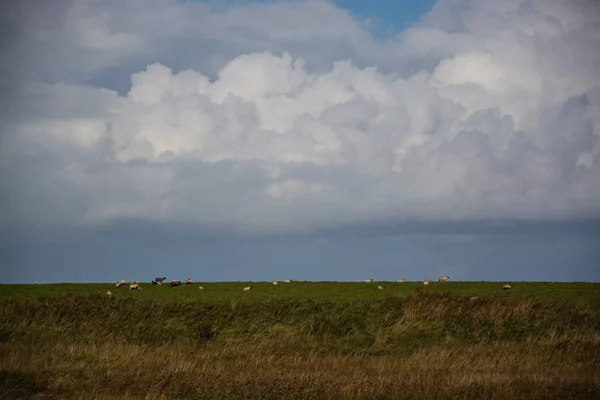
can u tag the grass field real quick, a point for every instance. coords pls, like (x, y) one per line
(304, 340)
(217, 291)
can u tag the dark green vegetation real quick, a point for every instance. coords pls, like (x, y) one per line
(302, 340)
(217, 291)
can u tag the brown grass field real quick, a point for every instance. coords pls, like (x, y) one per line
(407, 343)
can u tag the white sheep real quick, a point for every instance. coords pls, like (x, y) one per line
(134, 286)
(109, 293)
(275, 283)
(506, 287)
(188, 281)
(287, 281)
(200, 287)
(368, 281)
(401, 280)
(247, 288)
(443, 278)
(380, 287)
(426, 282)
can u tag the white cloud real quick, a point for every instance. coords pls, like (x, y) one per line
(488, 113)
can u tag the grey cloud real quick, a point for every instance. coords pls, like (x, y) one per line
(481, 110)
(79, 41)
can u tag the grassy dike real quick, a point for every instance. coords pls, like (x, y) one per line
(410, 343)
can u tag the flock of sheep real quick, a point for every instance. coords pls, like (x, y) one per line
(425, 282)
(159, 281)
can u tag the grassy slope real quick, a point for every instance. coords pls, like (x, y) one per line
(314, 340)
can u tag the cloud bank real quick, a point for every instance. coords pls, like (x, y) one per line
(268, 118)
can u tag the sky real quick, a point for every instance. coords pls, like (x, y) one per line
(309, 140)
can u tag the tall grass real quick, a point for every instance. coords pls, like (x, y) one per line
(412, 345)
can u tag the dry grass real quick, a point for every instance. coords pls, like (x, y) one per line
(498, 371)
(421, 346)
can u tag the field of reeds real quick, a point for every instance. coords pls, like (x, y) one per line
(304, 340)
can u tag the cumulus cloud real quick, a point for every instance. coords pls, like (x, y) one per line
(482, 110)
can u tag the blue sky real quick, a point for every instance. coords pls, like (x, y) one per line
(311, 140)
(389, 17)
(395, 15)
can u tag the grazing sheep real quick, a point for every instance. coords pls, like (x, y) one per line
(401, 280)
(247, 288)
(200, 288)
(380, 287)
(368, 281)
(188, 281)
(287, 281)
(275, 283)
(506, 287)
(134, 286)
(443, 278)
(426, 282)
(175, 283)
(109, 293)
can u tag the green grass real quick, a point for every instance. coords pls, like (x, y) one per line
(218, 291)
(304, 340)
